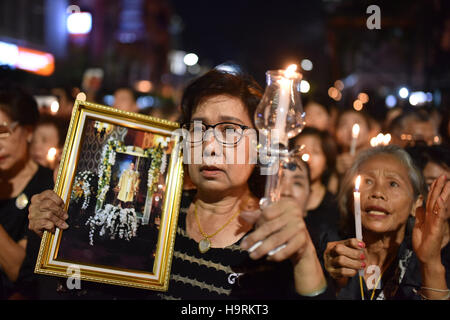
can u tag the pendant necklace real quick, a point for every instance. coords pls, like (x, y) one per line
(205, 244)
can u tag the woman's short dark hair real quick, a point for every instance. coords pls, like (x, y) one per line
(328, 146)
(19, 105)
(216, 82)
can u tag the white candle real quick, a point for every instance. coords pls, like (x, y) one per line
(283, 103)
(357, 206)
(355, 134)
(357, 209)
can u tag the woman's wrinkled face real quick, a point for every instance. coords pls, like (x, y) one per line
(344, 129)
(13, 148)
(317, 116)
(317, 161)
(295, 185)
(386, 194)
(44, 138)
(221, 167)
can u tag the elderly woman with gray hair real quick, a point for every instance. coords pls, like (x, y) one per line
(396, 259)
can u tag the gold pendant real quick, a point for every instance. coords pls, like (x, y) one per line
(204, 245)
(21, 201)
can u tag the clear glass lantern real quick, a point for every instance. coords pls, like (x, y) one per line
(280, 112)
(278, 117)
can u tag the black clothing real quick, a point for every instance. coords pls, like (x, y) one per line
(220, 273)
(323, 218)
(398, 282)
(15, 220)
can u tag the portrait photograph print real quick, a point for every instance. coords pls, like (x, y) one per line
(120, 178)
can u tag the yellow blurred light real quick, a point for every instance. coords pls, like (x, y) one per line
(51, 154)
(54, 107)
(363, 97)
(290, 71)
(143, 86)
(357, 105)
(333, 92)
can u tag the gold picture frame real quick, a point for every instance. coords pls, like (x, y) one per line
(120, 178)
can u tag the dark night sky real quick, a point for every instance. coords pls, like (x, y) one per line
(258, 35)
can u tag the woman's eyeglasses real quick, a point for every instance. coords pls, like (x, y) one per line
(226, 133)
(7, 129)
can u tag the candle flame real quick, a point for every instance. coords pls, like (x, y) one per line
(387, 139)
(290, 71)
(355, 130)
(51, 154)
(373, 142)
(357, 183)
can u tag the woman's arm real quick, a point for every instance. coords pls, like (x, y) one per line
(427, 239)
(12, 254)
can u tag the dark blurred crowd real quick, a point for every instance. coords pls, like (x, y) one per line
(32, 140)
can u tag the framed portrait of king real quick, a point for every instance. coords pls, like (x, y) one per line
(120, 178)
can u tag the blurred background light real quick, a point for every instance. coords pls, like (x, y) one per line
(190, 59)
(79, 23)
(390, 101)
(403, 92)
(357, 105)
(304, 86)
(306, 65)
(417, 98)
(143, 86)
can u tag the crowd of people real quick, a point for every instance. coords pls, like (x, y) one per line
(301, 247)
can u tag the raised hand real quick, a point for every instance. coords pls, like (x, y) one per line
(428, 231)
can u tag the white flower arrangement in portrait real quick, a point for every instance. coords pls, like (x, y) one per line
(82, 188)
(113, 222)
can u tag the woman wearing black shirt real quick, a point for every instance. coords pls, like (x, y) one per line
(20, 179)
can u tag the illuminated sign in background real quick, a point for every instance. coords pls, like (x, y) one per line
(31, 60)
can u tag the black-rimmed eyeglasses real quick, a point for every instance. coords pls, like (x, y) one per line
(226, 133)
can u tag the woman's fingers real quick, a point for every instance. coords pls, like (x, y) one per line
(276, 230)
(345, 258)
(346, 262)
(46, 212)
(435, 191)
(291, 235)
(344, 273)
(342, 249)
(250, 216)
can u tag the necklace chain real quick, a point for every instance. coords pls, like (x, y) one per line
(220, 229)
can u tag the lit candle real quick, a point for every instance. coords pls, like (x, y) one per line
(387, 139)
(357, 209)
(283, 103)
(51, 155)
(355, 134)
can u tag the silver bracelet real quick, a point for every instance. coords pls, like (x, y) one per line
(419, 292)
(316, 293)
(437, 290)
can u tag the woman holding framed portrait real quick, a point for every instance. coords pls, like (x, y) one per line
(226, 246)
